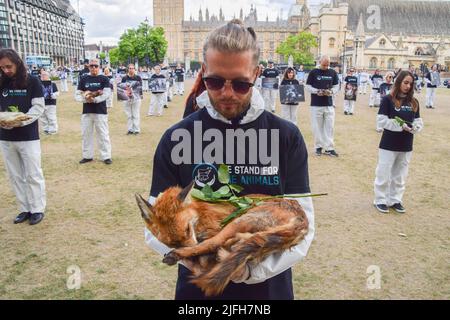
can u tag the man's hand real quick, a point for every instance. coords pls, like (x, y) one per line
(9, 125)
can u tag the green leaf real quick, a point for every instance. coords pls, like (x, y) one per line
(233, 215)
(197, 194)
(217, 195)
(236, 188)
(224, 176)
(224, 190)
(399, 121)
(207, 191)
(13, 109)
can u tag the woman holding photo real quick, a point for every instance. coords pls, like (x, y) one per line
(289, 110)
(399, 116)
(19, 143)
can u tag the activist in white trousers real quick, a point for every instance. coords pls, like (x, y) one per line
(169, 92)
(431, 93)
(158, 100)
(270, 97)
(375, 98)
(349, 106)
(391, 174)
(49, 119)
(363, 88)
(99, 122)
(289, 113)
(322, 122)
(64, 87)
(132, 109)
(23, 165)
(179, 88)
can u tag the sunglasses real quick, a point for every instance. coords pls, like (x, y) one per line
(93, 66)
(240, 87)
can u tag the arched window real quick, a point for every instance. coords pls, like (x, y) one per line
(331, 42)
(373, 63)
(391, 63)
(418, 52)
(382, 43)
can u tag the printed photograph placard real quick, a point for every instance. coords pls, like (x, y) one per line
(292, 94)
(124, 89)
(351, 90)
(269, 83)
(377, 82)
(157, 85)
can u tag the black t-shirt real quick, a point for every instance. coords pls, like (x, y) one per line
(268, 164)
(322, 79)
(179, 73)
(49, 88)
(397, 141)
(351, 79)
(21, 98)
(271, 73)
(385, 88)
(377, 79)
(83, 73)
(127, 78)
(94, 83)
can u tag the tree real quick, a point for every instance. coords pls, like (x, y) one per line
(299, 46)
(114, 57)
(145, 43)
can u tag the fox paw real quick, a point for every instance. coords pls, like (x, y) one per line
(171, 258)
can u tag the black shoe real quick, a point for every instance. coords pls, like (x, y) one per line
(108, 161)
(36, 218)
(84, 160)
(382, 208)
(130, 132)
(345, 112)
(350, 113)
(318, 151)
(166, 107)
(398, 208)
(331, 153)
(135, 133)
(22, 217)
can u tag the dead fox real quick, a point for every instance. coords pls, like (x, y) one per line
(215, 255)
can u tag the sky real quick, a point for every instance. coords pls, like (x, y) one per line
(106, 20)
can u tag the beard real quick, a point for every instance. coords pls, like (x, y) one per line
(230, 108)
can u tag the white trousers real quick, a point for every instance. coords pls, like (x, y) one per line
(157, 102)
(349, 106)
(145, 85)
(49, 119)
(322, 123)
(375, 98)
(132, 109)
(431, 93)
(363, 87)
(169, 92)
(99, 122)
(179, 88)
(270, 97)
(23, 165)
(391, 173)
(64, 87)
(289, 113)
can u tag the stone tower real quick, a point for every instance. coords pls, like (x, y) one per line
(170, 15)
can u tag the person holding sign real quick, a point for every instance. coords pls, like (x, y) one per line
(289, 96)
(270, 86)
(350, 91)
(158, 93)
(179, 80)
(377, 79)
(433, 80)
(134, 95)
(323, 83)
(93, 91)
(19, 142)
(399, 116)
(49, 119)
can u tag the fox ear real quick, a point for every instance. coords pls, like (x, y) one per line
(183, 194)
(146, 208)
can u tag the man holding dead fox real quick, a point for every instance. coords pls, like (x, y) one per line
(265, 155)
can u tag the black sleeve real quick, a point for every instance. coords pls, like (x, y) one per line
(81, 84)
(124, 79)
(385, 106)
(55, 88)
(335, 79)
(297, 180)
(37, 90)
(310, 80)
(165, 173)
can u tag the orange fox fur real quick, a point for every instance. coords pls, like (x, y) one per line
(215, 255)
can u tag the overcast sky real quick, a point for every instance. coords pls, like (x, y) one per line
(107, 19)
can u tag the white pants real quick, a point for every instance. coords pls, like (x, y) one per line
(391, 174)
(145, 85)
(270, 97)
(289, 113)
(375, 98)
(363, 87)
(349, 106)
(99, 122)
(49, 119)
(132, 109)
(179, 88)
(23, 165)
(158, 100)
(64, 87)
(431, 93)
(322, 123)
(169, 92)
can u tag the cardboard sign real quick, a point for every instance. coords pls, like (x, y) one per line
(292, 94)
(157, 85)
(350, 91)
(130, 90)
